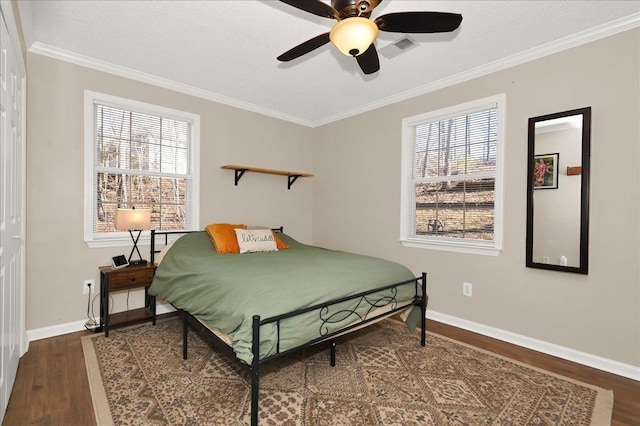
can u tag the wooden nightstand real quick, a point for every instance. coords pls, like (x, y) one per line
(125, 279)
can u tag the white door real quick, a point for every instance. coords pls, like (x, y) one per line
(12, 83)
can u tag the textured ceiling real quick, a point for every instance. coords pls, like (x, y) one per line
(226, 50)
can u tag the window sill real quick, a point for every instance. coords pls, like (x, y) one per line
(117, 242)
(124, 240)
(452, 246)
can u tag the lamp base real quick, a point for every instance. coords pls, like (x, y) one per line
(140, 262)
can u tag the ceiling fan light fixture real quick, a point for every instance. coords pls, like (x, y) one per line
(353, 36)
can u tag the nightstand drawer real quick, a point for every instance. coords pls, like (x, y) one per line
(135, 277)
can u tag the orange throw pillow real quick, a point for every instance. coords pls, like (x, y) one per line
(224, 237)
(279, 243)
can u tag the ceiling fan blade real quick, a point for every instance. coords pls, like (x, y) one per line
(419, 22)
(304, 48)
(314, 6)
(369, 61)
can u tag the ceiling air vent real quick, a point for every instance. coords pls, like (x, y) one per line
(398, 47)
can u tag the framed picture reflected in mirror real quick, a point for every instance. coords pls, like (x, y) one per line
(545, 171)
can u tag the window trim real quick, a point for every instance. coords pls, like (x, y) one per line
(123, 239)
(407, 205)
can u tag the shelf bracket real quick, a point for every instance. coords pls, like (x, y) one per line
(239, 174)
(291, 179)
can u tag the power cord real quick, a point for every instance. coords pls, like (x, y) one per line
(91, 323)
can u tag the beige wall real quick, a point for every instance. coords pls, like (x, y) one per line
(352, 203)
(357, 202)
(58, 260)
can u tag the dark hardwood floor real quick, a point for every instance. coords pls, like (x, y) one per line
(51, 387)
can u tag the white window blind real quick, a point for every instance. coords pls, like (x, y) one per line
(450, 192)
(139, 156)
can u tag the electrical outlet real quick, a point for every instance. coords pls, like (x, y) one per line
(467, 289)
(88, 286)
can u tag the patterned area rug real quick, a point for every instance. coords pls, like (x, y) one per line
(382, 377)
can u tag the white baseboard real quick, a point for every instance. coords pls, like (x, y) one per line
(55, 330)
(573, 355)
(164, 308)
(72, 327)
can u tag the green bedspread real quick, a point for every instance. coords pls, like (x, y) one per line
(226, 290)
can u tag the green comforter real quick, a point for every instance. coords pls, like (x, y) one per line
(226, 290)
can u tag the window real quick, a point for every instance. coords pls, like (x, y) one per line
(138, 155)
(452, 178)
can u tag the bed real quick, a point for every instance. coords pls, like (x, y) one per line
(258, 306)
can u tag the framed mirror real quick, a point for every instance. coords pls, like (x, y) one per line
(558, 191)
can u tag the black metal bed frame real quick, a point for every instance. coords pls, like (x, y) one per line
(326, 316)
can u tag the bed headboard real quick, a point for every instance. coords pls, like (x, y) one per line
(159, 234)
(164, 235)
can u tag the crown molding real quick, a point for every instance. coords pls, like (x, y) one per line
(584, 37)
(103, 66)
(593, 34)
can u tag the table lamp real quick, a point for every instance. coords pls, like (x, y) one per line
(133, 220)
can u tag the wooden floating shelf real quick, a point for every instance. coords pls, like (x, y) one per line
(240, 170)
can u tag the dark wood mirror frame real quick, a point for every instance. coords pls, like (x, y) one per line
(583, 267)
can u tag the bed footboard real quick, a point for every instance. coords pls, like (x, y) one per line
(420, 301)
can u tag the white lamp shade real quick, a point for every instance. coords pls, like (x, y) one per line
(353, 36)
(133, 219)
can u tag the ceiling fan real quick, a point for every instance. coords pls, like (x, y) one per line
(355, 33)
